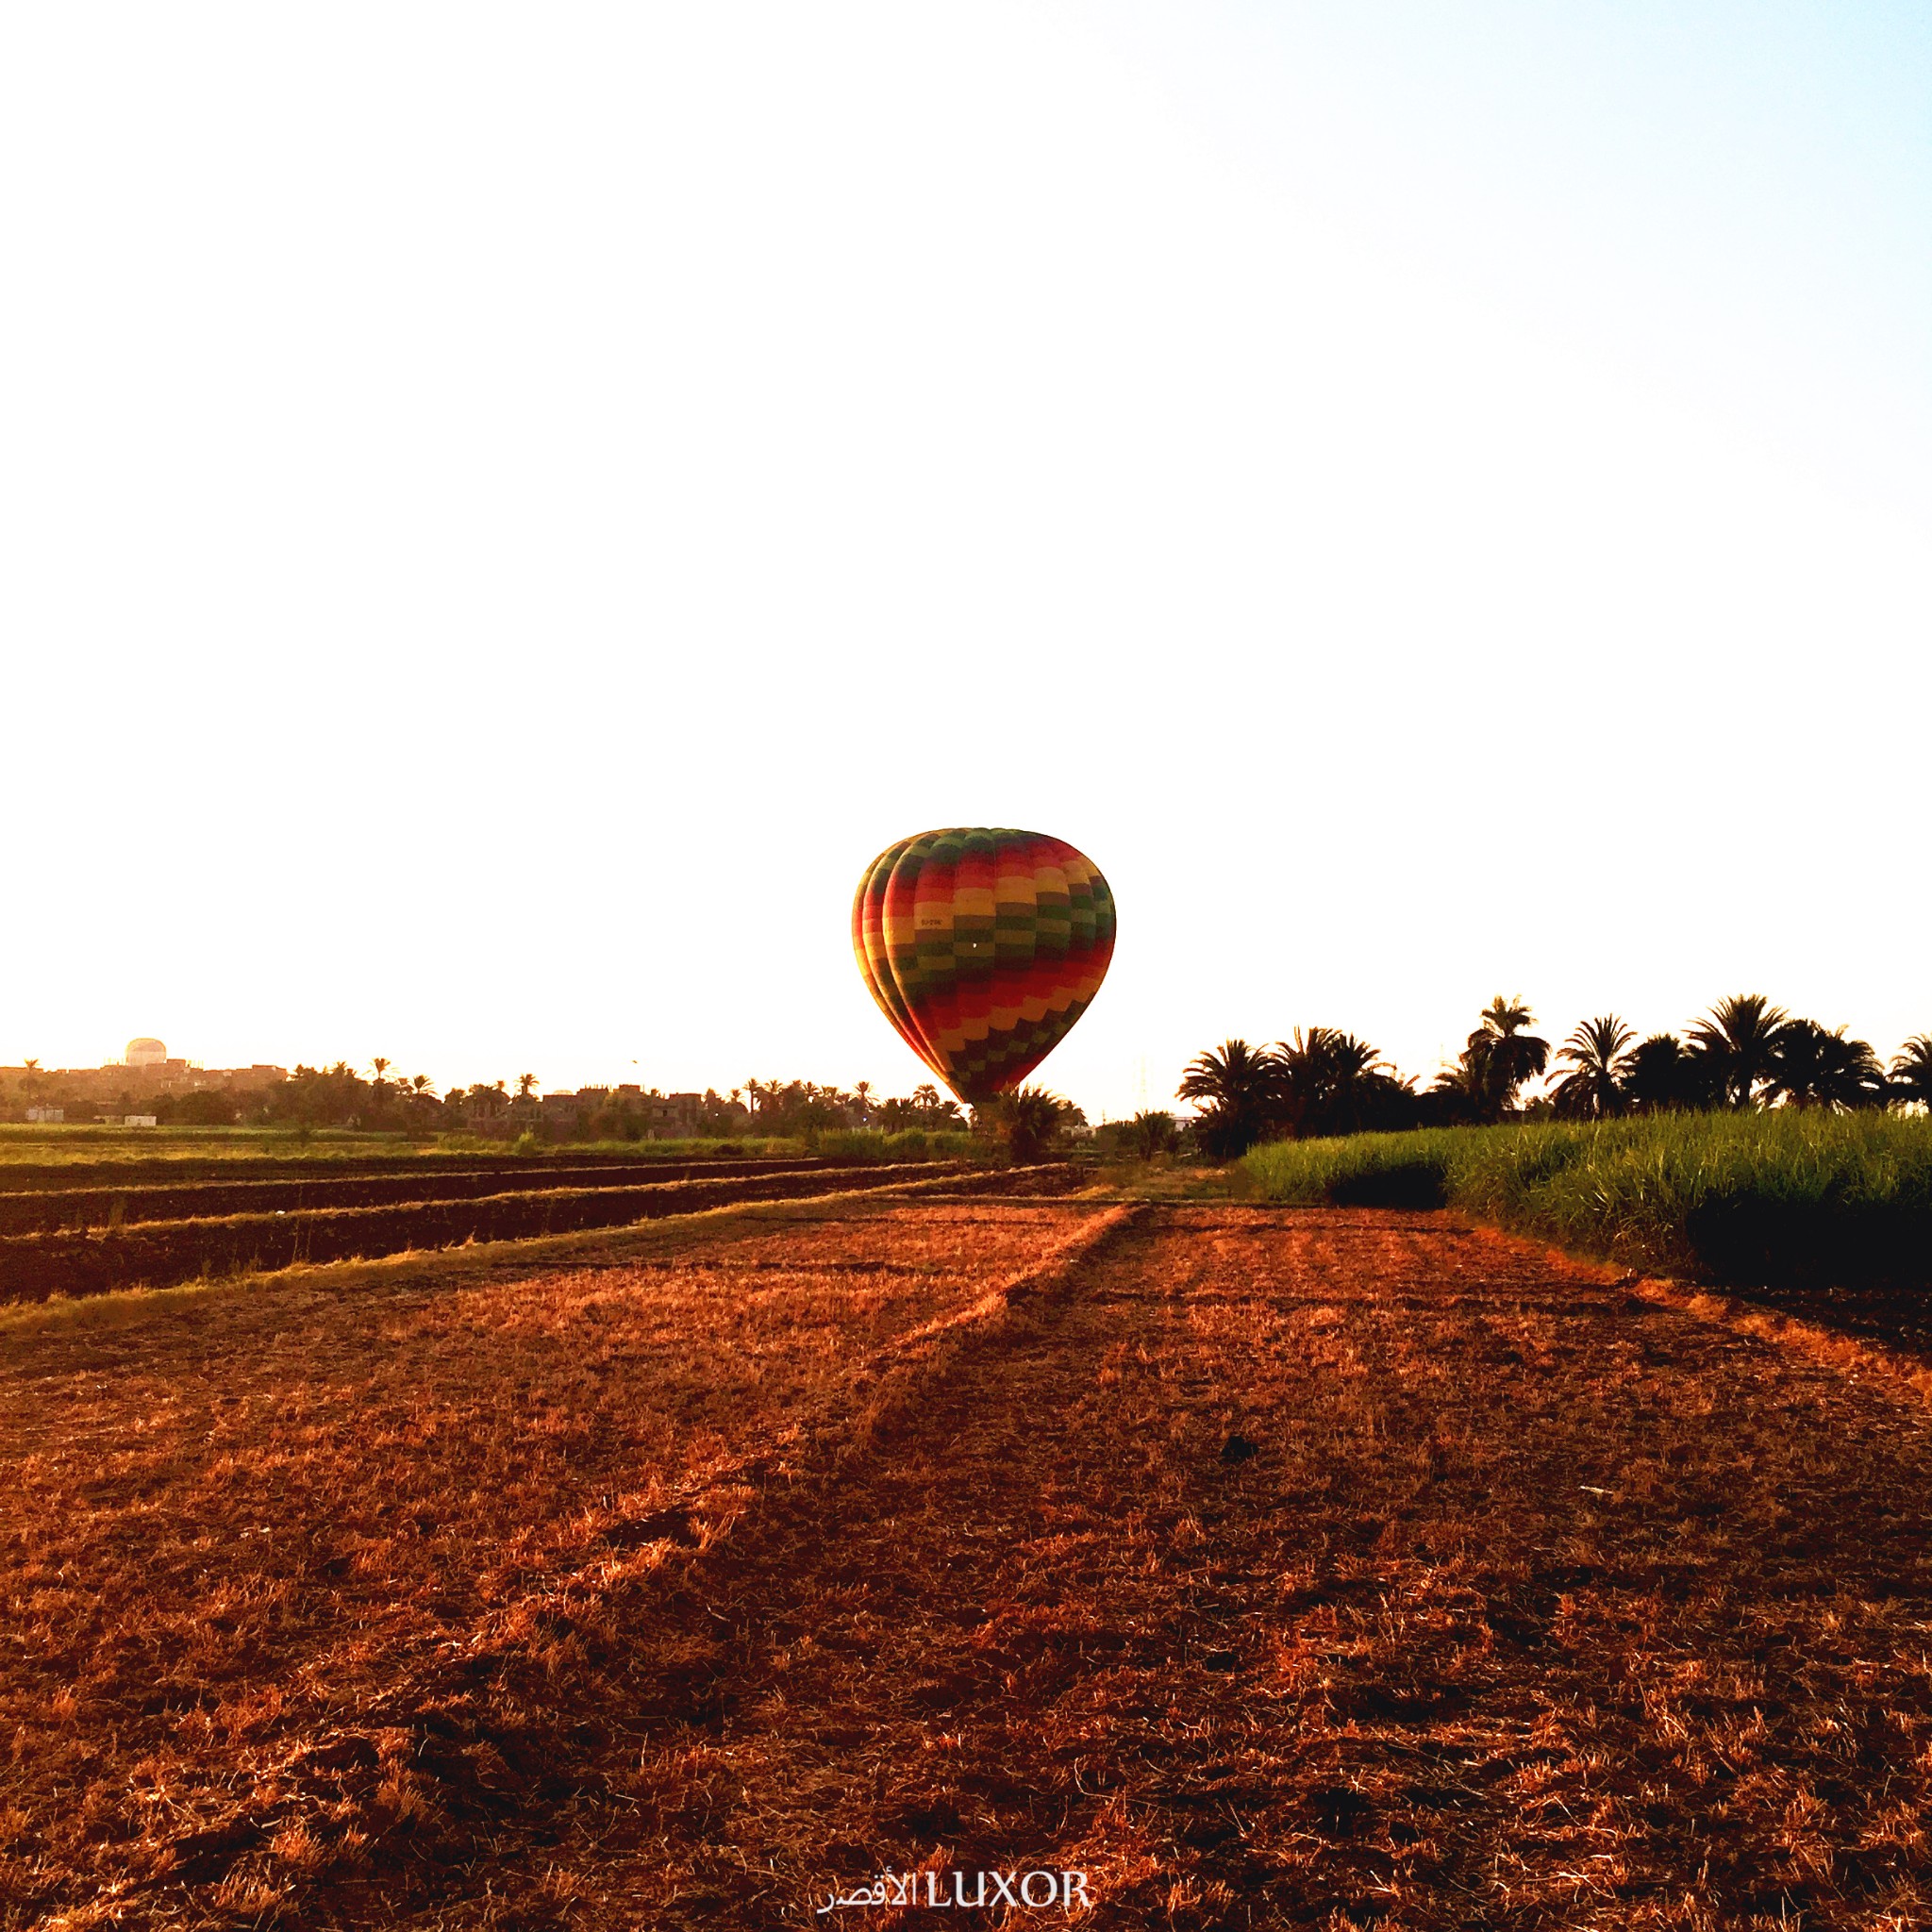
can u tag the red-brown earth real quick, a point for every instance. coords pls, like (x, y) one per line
(1272, 1567)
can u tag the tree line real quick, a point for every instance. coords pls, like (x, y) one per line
(381, 1101)
(793, 1108)
(1744, 1053)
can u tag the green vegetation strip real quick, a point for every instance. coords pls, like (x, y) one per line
(908, 1144)
(1786, 1198)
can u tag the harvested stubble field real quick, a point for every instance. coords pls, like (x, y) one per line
(104, 1204)
(1326, 1566)
(156, 1254)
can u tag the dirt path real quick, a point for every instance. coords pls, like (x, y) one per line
(1314, 1567)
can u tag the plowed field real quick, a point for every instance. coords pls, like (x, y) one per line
(1272, 1567)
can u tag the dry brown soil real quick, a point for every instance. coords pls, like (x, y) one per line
(1273, 1567)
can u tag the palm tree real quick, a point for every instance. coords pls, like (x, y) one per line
(815, 1108)
(1150, 1133)
(1459, 1091)
(1597, 1054)
(380, 1067)
(1737, 1042)
(1303, 1060)
(1241, 1092)
(1812, 1067)
(1658, 1074)
(1495, 1060)
(1333, 1083)
(1029, 1121)
(1911, 1071)
(526, 1085)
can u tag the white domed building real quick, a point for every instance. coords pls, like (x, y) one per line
(127, 1087)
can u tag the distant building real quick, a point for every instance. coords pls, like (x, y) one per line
(672, 1116)
(567, 1112)
(145, 1073)
(662, 1116)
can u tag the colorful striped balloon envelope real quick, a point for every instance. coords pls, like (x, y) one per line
(983, 947)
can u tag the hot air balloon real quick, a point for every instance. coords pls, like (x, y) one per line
(983, 947)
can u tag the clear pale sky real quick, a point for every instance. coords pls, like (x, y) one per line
(505, 509)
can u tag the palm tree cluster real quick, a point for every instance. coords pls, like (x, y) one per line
(1494, 1062)
(339, 1096)
(804, 1107)
(1744, 1052)
(1320, 1081)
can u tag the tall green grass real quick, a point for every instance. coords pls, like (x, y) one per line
(910, 1144)
(1777, 1198)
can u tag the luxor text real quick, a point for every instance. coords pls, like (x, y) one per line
(1031, 1890)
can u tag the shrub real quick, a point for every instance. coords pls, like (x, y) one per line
(909, 1143)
